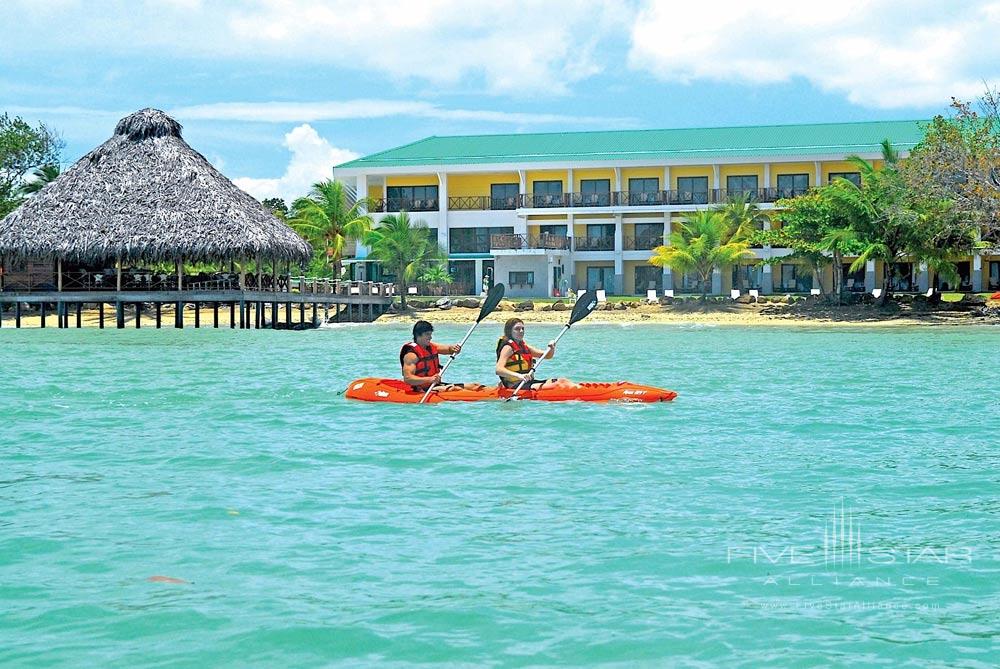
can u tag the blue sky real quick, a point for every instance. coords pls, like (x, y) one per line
(274, 92)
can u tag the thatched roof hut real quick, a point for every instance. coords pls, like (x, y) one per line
(145, 195)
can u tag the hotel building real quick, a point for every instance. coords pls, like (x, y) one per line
(547, 212)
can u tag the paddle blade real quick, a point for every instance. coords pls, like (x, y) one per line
(492, 300)
(585, 304)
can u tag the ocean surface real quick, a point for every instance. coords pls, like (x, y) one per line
(209, 499)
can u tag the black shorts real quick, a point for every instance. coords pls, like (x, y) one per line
(527, 386)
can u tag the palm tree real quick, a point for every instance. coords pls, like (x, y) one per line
(403, 247)
(327, 219)
(437, 275)
(744, 218)
(837, 242)
(704, 241)
(44, 175)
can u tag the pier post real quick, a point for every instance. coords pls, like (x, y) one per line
(302, 312)
(215, 315)
(243, 308)
(197, 315)
(232, 315)
(315, 307)
(179, 316)
(119, 315)
(100, 315)
(288, 313)
(79, 315)
(274, 313)
(159, 308)
(326, 312)
(43, 314)
(17, 314)
(138, 315)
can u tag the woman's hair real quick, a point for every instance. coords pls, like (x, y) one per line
(508, 327)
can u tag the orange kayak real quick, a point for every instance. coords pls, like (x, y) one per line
(394, 390)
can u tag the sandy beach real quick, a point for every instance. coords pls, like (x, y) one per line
(721, 314)
(801, 314)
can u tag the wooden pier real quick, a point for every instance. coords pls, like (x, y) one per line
(314, 303)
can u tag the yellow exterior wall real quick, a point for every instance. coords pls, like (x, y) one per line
(548, 219)
(545, 175)
(792, 168)
(741, 170)
(579, 175)
(375, 191)
(418, 180)
(477, 185)
(642, 173)
(694, 171)
(837, 166)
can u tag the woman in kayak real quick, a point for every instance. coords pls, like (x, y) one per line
(515, 359)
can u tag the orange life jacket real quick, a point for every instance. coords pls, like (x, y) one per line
(428, 363)
(520, 361)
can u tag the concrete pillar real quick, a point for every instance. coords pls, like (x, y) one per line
(977, 273)
(668, 274)
(818, 168)
(923, 278)
(478, 284)
(361, 186)
(767, 175)
(618, 180)
(767, 280)
(442, 227)
(619, 263)
(716, 181)
(716, 281)
(666, 178)
(569, 184)
(870, 276)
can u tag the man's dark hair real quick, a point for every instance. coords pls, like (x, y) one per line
(420, 327)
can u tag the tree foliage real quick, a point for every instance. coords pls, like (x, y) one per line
(23, 148)
(276, 206)
(706, 240)
(327, 218)
(405, 248)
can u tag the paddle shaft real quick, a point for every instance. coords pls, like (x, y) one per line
(538, 363)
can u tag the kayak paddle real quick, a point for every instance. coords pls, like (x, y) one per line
(489, 304)
(585, 304)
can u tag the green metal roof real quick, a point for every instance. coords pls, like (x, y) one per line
(628, 145)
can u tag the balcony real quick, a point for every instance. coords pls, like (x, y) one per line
(521, 242)
(382, 205)
(481, 203)
(643, 243)
(654, 198)
(593, 243)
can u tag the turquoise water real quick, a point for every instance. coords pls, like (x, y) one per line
(312, 531)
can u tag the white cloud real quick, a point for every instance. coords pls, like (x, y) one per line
(894, 53)
(312, 160)
(298, 112)
(520, 47)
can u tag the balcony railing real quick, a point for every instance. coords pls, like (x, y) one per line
(594, 243)
(519, 242)
(656, 198)
(481, 203)
(381, 205)
(643, 242)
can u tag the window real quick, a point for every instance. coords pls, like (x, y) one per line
(474, 240)
(644, 191)
(742, 185)
(554, 230)
(853, 177)
(547, 193)
(692, 190)
(994, 275)
(747, 277)
(503, 196)
(595, 192)
(648, 278)
(412, 198)
(792, 185)
(521, 279)
(647, 236)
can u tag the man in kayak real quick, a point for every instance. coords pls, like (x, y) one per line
(419, 359)
(515, 359)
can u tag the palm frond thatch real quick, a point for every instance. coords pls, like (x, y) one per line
(145, 194)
